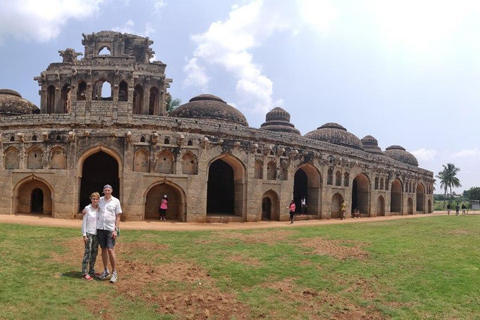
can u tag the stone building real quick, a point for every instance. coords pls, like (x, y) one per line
(102, 119)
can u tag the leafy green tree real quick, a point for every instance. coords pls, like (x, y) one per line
(448, 179)
(172, 104)
(473, 193)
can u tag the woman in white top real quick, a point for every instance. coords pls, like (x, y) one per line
(89, 232)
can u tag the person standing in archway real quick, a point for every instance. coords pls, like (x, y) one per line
(163, 207)
(107, 230)
(343, 210)
(304, 205)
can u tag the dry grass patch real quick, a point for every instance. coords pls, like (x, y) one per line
(340, 249)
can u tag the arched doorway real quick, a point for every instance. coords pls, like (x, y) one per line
(380, 206)
(98, 170)
(266, 208)
(430, 206)
(360, 194)
(270, 206)
(34, 196)
(307, 183)
(335, 206)
(225, 187)
(36, 201)
(176, 202)
(420, 198)
(396, 197)
(410, 206)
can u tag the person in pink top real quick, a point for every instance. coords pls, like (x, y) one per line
(291, 210)
(163, 207)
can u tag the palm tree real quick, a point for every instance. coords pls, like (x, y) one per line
(448, 179)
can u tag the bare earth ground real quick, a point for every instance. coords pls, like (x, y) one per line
(188, 291)
(40, 220)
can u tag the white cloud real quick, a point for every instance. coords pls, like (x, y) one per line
(425, 154)
(42, 20)
(159, 4)
(470, 154)
(127, 28)
(229, 43)
(195, 75)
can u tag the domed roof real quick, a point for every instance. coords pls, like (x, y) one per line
(208, 106)
(336, 134)
(12, 103)
(400, 154)
(370, 144)
(279, 120)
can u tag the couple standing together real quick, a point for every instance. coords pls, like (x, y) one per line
(101, 222)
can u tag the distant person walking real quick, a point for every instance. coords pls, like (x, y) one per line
(304, 205)
(457, 209)
(291, 210)
(449, 207)
(343, 209)
(163, 207)
(464, 209)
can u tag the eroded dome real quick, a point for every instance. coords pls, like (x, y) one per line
(370, 144)
(209, 106)
(336, 134)
(12, 103)
(400, 154)
(278, 120)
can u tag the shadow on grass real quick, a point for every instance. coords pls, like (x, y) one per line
(72, 274)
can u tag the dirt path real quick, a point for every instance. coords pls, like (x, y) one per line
(39, 220)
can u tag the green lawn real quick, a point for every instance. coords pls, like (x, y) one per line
(400, 269)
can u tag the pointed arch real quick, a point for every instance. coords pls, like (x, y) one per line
(123, 91)
(34, 158)
(58, 158)
(396, 197)
(258, 174)
(226, 186)
(338, 178)
(380, 206)
(82, 91)
(51, 99)
(189, 163)
(361, 194)
(308, 185)
(165, 162)
(138, 99)
(12, 158)
(141, 162)
(420, 193)
(153, 101)
(96, 167)
(176, 201)
(271, 170)
(270, 206)
(335, 206)
(33, 195)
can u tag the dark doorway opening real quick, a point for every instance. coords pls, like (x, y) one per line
(220, 188)
(98, 170)
(266, 209)
(300, 189)
(36, 204)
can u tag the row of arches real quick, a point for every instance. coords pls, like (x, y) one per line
(226, 192)
(102, 89)
(165, 162)
(57, 158)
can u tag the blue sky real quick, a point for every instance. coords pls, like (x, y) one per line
(406, 72)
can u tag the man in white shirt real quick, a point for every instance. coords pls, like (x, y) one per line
(107, 227)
